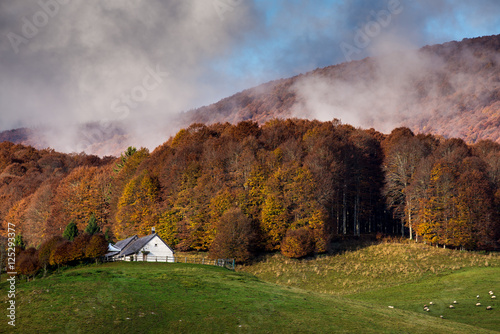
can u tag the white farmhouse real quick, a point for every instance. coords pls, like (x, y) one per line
(150, 248)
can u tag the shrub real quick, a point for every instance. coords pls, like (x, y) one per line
(97, 246)
(298, 243)
(46, 249)
(27, 263)
(234, 237)
(61, 253)
(78, 247)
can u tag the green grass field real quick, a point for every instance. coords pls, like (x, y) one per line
(187, 298)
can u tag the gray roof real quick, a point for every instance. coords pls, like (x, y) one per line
(137, 245)
(133, 245)
(122, 244)
(111, 254)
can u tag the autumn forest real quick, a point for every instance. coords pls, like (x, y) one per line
(289, 185)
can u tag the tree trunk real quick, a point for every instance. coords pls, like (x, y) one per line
(409, 220)
(357, 228)
(344, 213)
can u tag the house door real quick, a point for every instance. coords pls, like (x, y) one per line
(144, 257)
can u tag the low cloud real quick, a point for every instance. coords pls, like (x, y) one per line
(380, 91)
(131, 63)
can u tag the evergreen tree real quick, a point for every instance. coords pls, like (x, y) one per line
(92, 227)
(124, 157)
(71, 231)
(19, 242)
(107, 235)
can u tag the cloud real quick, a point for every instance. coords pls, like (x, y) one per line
(375, 93)
(137, 62)
(379, 93)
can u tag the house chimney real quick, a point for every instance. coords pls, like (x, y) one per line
(153, 230)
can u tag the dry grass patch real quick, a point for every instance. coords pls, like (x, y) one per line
(375, 265)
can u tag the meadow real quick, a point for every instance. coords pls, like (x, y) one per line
(348, 292)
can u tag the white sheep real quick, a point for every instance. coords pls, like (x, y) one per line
(489, 308)
(478, 304)
(451, 306)
(493, 297)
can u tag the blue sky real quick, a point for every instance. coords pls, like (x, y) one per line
(303, 35)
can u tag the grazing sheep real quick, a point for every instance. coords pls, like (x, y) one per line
(431, 303)
(391, 306)
(491, 292)
(451, 306)
(441, 317)
(478, 304)
(455, 302)
(493, 297)
(477, 296)
(489, 308)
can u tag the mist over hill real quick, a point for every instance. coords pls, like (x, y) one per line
(450, 89)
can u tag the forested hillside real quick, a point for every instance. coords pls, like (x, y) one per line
(290, 185)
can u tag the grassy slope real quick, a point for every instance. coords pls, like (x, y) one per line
(462, 286)
(159, 298)
(372, 267)
(407, 276)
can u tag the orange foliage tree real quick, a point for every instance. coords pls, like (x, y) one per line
(235, 237)
(137, 206)
(298, 243)
(96, 247)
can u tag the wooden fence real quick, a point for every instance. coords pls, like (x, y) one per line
(226, 263)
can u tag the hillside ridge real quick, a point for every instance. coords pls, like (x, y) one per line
(454, 91)
(450, 89)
